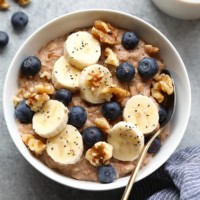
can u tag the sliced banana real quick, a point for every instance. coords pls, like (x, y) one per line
(66, 147)
(93, 80)
(51, 119)
(127, 141)
(81, 49)
(65, 76)
(143, 112)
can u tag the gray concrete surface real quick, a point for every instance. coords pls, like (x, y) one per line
(18, 179)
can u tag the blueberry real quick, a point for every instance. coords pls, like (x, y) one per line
(130, 40)
(147, 68)
(23, 113)
(19, 20)
(155, 146)
(64, 96)
(106, 174)
(111, 110)
(125, 72)
(3, 38)
(162, 114)
(92, 135)
(77, 116)
(31, 66)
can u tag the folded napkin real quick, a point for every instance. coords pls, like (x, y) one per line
(178, 178)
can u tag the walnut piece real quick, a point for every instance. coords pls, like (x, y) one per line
(17, 100)
(22, 2)
(120, 93)
(36, 101)
(95, 80)
(103, 124)
(99, 154)
(46, 75)
(45, 88)
(35, 145)
(111, 57)
(4, 5)
(162, 84)
(151, 50)
(104, 32)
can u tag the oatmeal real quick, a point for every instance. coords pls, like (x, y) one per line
(89, 100)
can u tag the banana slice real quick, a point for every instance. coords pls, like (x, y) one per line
(81, 49)
(127, 141)
(93, 80)
(143, 112)
(65, 76)
(66, 147)
(51, 119)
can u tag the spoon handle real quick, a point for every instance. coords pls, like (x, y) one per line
(138, 165)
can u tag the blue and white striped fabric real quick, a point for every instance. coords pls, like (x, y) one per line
(178, 178)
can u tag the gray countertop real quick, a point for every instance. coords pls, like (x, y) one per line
(18, 179)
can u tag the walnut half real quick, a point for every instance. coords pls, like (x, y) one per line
(104, 32)
(162, 84)
(35, 145)
(99, 154)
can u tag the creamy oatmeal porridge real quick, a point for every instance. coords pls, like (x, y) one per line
(90, 100)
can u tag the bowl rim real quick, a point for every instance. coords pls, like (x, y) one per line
(59, 177)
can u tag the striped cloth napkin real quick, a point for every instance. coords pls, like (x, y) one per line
(178, 178)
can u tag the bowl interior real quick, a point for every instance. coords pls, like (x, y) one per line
(66, 24)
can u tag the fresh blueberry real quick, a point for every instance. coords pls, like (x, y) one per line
(23, 113)
(130, 40)
(64, 96)
(19, 20)
(155, 146)
(3, 38)
(92, 135)
(147, 68)
(77, 116)
(111, 110)
(31, 66)
(125, 72)
(106, 174)
(162, 114)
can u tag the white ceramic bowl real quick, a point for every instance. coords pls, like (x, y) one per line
(182, 9)
(66, 24)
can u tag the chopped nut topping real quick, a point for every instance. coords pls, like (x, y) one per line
(104, 32)
(117, 91)
(36, 101)
(4, 5)
(151, 50)
(35, 96)
(46, 88)
(95, 80)
(22, 2)
(103, 124)
(111, 57)
(162, 84)
(35, 145)
(17, 100)
(99, 154)
(45, 74)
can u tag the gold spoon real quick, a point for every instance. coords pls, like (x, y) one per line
(170, 104)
